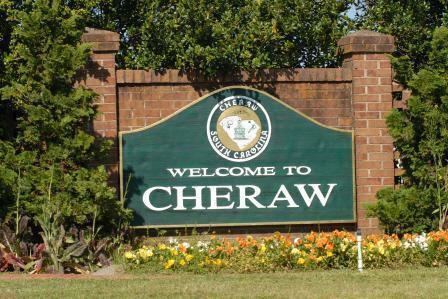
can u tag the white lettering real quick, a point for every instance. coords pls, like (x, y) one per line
(289, 169)
(181, 197)
(214, 196)
(147, 194)
(286, 197)
(269, 170)
(219, 173)
(316, 192)
(252, 197)
(303, 170)
(177, 171)
(194, 172)
(236, 171)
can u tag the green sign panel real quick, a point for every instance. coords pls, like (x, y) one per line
(237, 156)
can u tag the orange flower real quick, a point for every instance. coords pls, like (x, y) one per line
(311, 237)
(329, 246)
(182, 248)
(322, 241)
(229, 250)
(439, 235)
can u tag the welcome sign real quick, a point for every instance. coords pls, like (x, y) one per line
(237, 156)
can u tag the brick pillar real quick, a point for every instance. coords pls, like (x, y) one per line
(365, 53)
(100, 76)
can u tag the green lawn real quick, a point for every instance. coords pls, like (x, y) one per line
(421, 282)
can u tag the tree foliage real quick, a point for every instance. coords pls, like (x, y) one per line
(213, 36)
(412, 22)
(420, 132)
(52, 149)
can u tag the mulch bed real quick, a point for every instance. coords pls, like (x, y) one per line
(18, 276)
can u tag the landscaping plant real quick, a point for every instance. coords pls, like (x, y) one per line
(420, 135)
(49, 146)
(411, 22)
(225, 36)
(335, 250)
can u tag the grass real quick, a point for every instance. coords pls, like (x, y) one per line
(408, 283)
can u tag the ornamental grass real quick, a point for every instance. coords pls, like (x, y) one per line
(335, 250)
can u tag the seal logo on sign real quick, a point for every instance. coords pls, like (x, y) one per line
(238, 128)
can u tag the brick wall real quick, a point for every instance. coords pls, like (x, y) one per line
(146, 97)
(357, 96)
(99, 75)
(365, 53)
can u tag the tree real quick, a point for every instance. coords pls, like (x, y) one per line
(420, 132)
(214, 36)
(51, 139)
(5, 34)
(122, 16)
(412, 22)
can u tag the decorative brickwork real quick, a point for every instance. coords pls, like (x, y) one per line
(145, 97)
(365, 53)
(357, 96)
(99, 76)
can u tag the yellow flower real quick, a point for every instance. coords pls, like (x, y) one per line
(381, 250)
(162, 246)
(329, 254)
(182, 263)
(218, 262)
(319, 259)
(301, 261)
(169, 264)
(129, 255)
(174, 252)
(145, 253)
(189, 257)
(295, 251)
(393, 245)
(263, 248)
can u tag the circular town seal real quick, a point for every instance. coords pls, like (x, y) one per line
(238, 128)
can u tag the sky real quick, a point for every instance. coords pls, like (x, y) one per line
(352, 11)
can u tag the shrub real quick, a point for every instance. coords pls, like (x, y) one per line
(53, 149)
(404, 210)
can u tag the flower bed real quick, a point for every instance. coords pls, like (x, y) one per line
(333, 250)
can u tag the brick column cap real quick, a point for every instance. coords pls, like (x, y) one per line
(101, 40)
(366, 41)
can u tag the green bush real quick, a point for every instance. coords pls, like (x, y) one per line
(52, 151)
(420, 135)
(404, 210)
